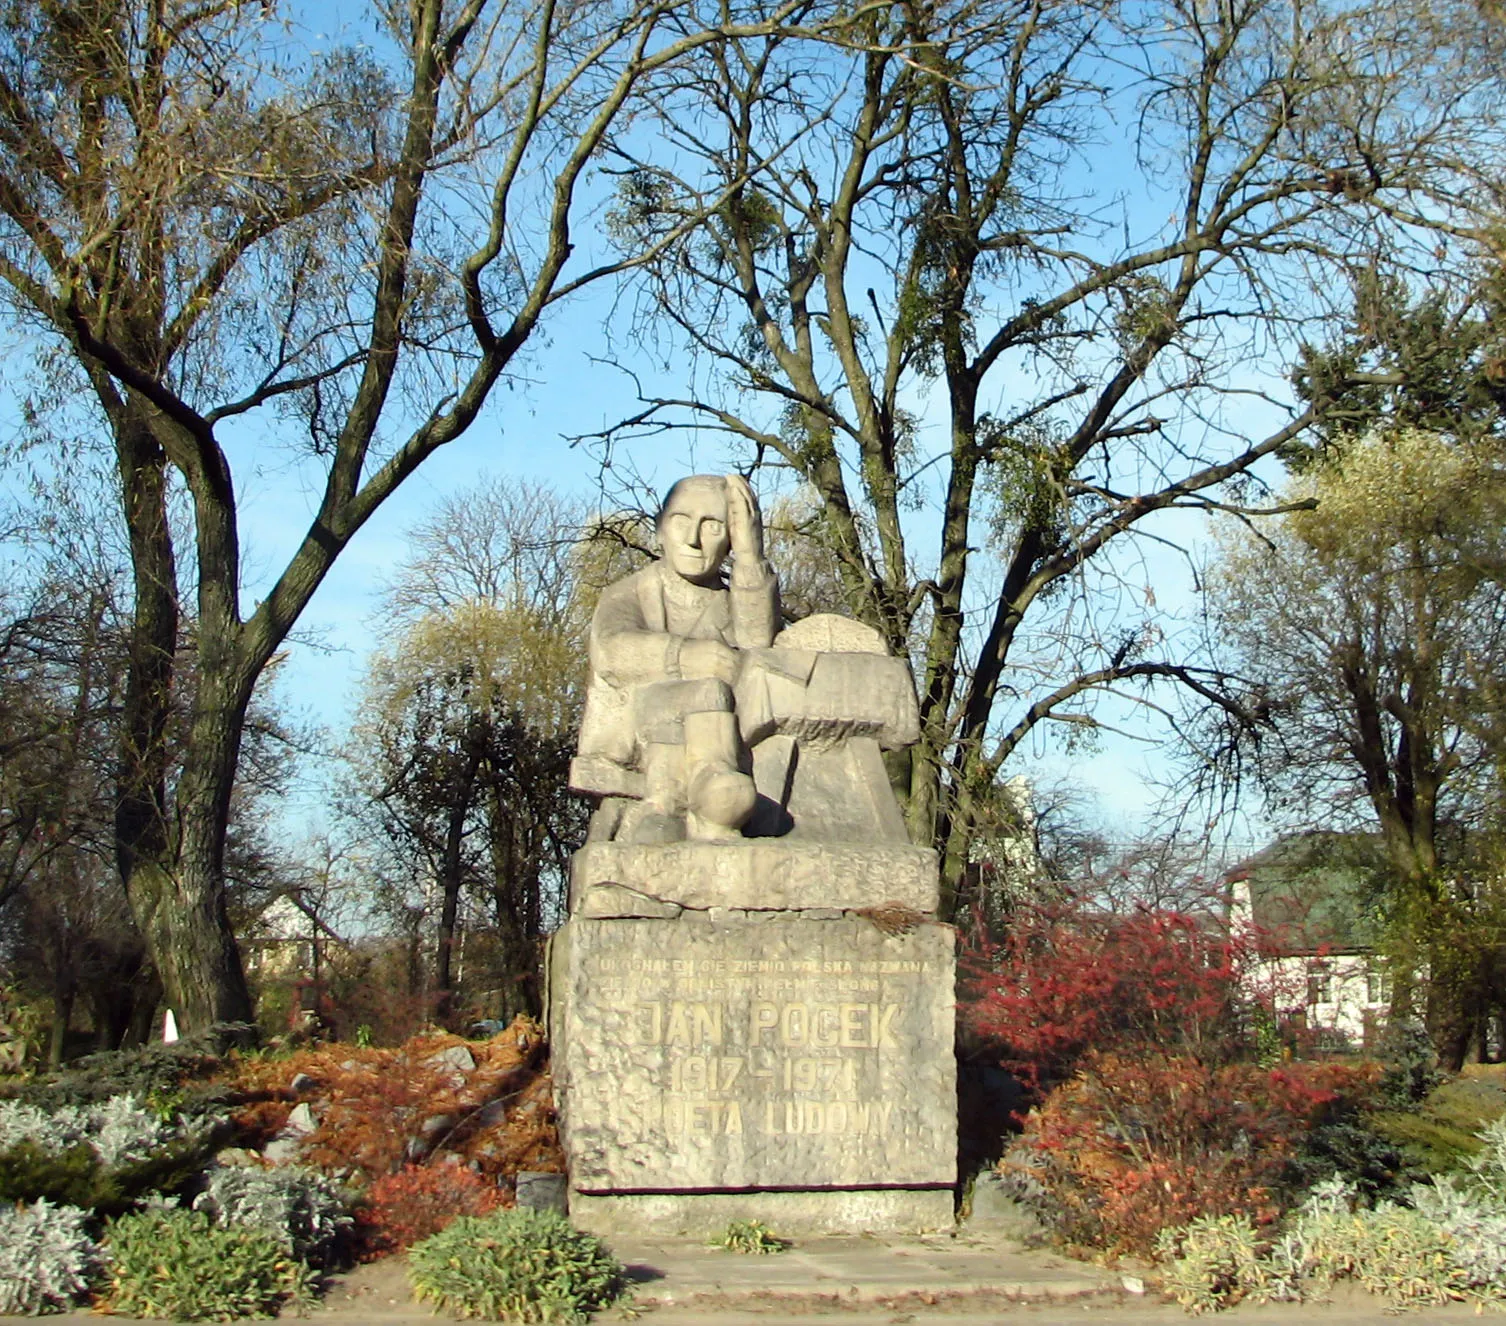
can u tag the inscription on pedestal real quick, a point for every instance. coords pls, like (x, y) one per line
(783, 1054)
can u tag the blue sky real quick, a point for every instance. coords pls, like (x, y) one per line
(562, 392)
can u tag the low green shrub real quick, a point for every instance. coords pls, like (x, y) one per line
(47, 1259)
(180, 1265)
(1391, 1250)
(1212, 1262)
(752, 1237)
(1486, 1169)
(1476, 1230)
(306, 1212)
(525, 1266)
(1449, 1245)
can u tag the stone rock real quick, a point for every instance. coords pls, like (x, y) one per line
(302, 1083)
(794, 1214)
(608, 899)
(436, 1124)
(281, 1151)
(754, 874)
(830, 791)
(827, 633)
(492, 1113)
(301, 1121)
(538, 1191)
(793, 1054)
(231, 1156)
(995, 1208)
(456, 1059)
(841, 696)
(690, 672)
(751, 1007)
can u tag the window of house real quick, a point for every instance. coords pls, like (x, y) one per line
(1377, 986)
(1319, 986)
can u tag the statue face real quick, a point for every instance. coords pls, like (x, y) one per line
(693, 534)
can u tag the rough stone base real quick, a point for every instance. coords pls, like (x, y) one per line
(700, 1056)
(758, 874)
(791, 1214)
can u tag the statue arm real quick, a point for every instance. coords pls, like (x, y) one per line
(753, 586)
(624, 651)
(756, 618)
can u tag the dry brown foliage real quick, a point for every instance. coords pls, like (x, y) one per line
(379, 1109)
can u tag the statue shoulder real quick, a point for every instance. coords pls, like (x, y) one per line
(637, 598)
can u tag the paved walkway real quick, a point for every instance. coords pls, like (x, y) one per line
(858, 1271)
(966, 1279)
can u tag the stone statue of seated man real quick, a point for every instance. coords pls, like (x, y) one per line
(706, 719)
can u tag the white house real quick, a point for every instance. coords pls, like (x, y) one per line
(1304, 896)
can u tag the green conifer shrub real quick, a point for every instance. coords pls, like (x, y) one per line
(180, 1265)
(522, 1266)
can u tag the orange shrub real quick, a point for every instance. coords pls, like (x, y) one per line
(1137, 1142)
(419, 1200)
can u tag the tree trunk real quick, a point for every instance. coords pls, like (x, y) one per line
(143, 999)
(141, 817)
(451, 879)
(178, 897)
(62, 1015)
(515, 907)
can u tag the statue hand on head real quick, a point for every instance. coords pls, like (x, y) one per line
(744, 524)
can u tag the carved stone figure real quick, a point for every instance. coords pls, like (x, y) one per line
(707, 720)
(751, 1004)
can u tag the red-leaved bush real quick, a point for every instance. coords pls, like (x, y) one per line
(419, 1200)
(1064, 982)
(1141, 1140)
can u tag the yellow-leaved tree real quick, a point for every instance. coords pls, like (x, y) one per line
(1374, 614)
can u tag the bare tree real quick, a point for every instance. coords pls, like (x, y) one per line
(462, 744)
(953, 298)
(214, 230)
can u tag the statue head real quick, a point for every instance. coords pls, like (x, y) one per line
(692, 528)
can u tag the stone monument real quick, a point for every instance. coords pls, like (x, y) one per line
(751, 1003)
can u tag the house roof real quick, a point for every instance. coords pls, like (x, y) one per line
(285, 917)
(1307, 891)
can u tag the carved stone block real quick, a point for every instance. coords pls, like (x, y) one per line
(701, 1056)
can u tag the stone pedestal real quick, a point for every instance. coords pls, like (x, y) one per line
(718, 1063)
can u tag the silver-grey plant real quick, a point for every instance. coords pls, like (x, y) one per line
(302, 1209)
(120, 1129)
(47, 1259)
